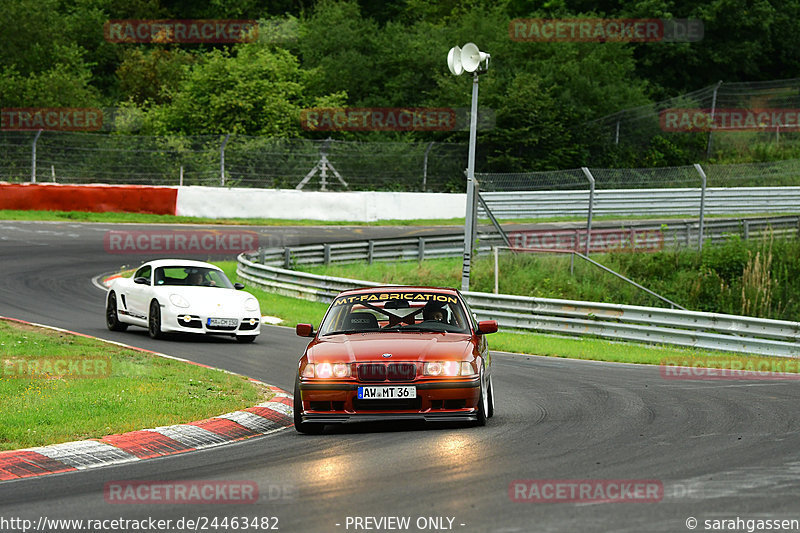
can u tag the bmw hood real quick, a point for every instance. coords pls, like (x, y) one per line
(358, 347)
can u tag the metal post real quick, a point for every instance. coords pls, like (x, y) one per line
(53, 173)
(469, 223)
(181, 180)
(421, 249)
(616, 136)
(496, 271)
(370, 251)
(496, 223)
(713, 111)
(326, 254)
(702, 204)
(591, 205)
(425, 167)
(33, 159)
(222, 161)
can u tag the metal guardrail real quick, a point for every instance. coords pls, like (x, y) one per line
(611, 321)
(677, 234)
(642, 202)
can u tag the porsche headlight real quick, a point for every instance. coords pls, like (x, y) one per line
(178, 300)
(251, 304)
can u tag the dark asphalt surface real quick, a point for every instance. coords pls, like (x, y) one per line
(721, 450)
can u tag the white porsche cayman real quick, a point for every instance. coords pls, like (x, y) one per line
(177, 295)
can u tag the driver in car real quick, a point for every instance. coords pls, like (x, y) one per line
(194, 278)
(433, 312)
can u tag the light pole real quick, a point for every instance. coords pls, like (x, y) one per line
(459, 60)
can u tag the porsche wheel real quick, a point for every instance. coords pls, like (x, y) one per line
(154, 321)
(297, 408)
(112, 318)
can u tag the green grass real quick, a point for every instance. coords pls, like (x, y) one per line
(140, 391)
(144, 218)
(295, 311)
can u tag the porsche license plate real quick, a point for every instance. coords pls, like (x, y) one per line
(222, 322)
(387, 393)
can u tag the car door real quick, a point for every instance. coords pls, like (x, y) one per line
(139, 295)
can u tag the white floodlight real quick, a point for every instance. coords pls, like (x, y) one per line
(471, 57)
(454, 61)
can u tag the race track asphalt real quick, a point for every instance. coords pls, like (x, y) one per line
(719, 449)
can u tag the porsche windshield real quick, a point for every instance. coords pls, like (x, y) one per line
(191, 276)
(396, 311)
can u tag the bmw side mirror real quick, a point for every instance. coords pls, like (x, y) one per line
(141, 281)
(304, 330)
(238, 286)
(487, 326)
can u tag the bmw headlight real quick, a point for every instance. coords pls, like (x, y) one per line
(251, 304)
(327, 370)
(178, 300)
(448, 369)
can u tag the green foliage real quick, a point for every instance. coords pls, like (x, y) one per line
(329, 53)
(753, 278)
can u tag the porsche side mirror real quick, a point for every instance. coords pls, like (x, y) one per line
(304, 330)
(487, 326)
(141, 281)
(238, 286)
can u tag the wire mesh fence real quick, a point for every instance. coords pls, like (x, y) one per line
(770, 174)
(231, 161)
(636, 127)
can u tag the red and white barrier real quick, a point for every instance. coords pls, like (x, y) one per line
(218, 202)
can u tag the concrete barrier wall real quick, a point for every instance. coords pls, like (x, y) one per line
(369, 206)
(92, 198)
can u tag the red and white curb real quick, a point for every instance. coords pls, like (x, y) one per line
(262, 419)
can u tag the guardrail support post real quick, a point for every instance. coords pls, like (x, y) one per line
(421, 249)
(287, 258)
(702, 204)
(746, 228)
(370, 252)
(326, 254)
(262, 256)
(589, 177)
